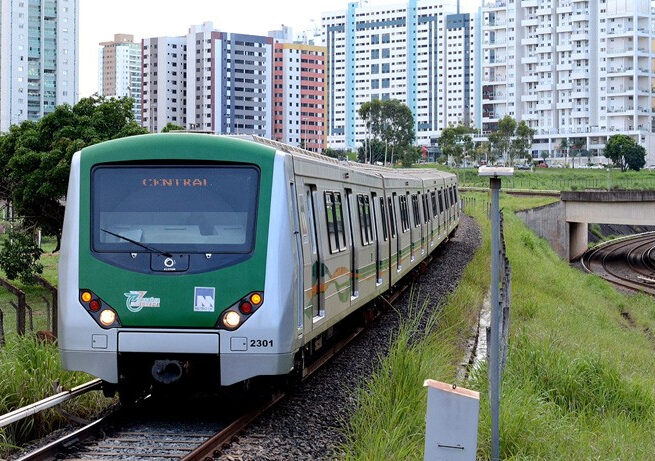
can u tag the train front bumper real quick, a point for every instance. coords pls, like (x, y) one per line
(236, 364)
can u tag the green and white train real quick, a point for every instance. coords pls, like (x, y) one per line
(229, 257)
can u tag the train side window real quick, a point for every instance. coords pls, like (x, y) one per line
(426, 209)
(417, 217)
(341, 227)
(433, 198)
(452, 196)
(404, 213)
(367, 215)
(455, 191)
(392, 217)
(383, 212)
(331, 221)
(364, 228)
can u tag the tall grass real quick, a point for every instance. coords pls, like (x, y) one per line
(390, 420)
(29, 371)
(580, 376)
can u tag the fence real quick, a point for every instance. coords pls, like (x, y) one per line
(24, 312)
(504, 300)
(545, 183)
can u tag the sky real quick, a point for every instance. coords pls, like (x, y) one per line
(99, 21)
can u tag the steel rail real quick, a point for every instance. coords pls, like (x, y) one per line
(49, 402)
(599, 255)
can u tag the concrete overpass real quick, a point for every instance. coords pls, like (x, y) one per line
(565, 224)
(613, 207)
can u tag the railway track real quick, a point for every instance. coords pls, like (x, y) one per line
(628, 262)
(150, 430)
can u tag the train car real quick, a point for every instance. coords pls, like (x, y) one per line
(228, 258)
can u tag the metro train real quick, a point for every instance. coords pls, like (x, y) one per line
(229, 257)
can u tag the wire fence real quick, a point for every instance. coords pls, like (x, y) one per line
(599, 183)
(32, 312)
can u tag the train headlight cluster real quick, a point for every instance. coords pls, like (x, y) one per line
(239, 312)
(103, 314)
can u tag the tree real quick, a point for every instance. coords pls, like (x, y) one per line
(635, 157)
(390, 122)
(500, 139)
(19, 257)
(35, 156)
(373, 151)
(481, 152)
(170, 126)
(619, 148)
(522, 142)
(576, 150)
(456, 143)
(334, 153)
(410, 155)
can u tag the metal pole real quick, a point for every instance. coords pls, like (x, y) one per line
(494, 368)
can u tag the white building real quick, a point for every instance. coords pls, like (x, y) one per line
(208, 80)
(580, 70)
(119, 70)
(38, 58)
(421, 53)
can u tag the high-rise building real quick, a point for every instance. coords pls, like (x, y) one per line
(299, 95)
(209, 80)
(422, 53)
(119, 70)
(575, 70)
(38, 58)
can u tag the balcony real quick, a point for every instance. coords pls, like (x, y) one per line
(565, 66)
(491, 97)
(495, 43)
(529, 41)
(620, 90)
(618, 31)
(494, 79)
(579, 55)
(530, 79)
(529, 3)
(495, 5)
(494, 61)
(619, 109)
(620, 51)
(565, 105)
(565, 47)
(565, 28)
(529, 60)
(579, 74)
(530, 97)
(620, 70)
(495, 23)
(529, 22)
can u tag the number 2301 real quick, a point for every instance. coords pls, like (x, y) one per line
(261, 343)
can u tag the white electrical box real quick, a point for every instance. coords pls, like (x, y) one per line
(451, 422)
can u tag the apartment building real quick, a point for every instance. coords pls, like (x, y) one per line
(208, 80)
(38, 58)
(578, 70)
(299, 95)
(119, 70)
(423, 53)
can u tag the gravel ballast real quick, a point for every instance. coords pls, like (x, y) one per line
(311, 423)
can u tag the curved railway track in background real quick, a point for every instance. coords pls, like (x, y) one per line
(628, 262)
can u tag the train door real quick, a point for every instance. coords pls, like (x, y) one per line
(413, 222)
(353, 252)
(313, 268)
(420, 205)
(376, 234)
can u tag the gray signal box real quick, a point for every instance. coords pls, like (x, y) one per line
(451, 423)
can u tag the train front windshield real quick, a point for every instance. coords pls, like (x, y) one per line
(182, 209)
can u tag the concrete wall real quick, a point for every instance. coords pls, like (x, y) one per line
(549, 222)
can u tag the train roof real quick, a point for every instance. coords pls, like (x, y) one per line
(365, 168)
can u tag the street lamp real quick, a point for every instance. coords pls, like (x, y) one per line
(495, 174)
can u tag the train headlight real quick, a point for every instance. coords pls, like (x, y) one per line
(256, 299)
(107, 317)
(231, 320)
(86, 296)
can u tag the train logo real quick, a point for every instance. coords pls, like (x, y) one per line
(203, 299)
(136, 300)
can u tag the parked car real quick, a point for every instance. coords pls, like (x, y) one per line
(542, 165)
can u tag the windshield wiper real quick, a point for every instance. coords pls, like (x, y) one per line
(127, 239)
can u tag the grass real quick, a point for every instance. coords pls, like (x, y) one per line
(560, 179)
(580, 378)
(30, 371)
